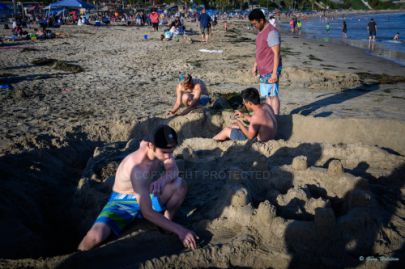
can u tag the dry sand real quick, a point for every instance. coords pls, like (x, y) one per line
(328, 191)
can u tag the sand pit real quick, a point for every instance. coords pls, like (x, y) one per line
(328, 190)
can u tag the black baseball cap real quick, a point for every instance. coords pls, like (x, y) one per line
(165, 137)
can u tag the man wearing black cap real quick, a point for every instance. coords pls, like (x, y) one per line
(135, 196)
(190, 92)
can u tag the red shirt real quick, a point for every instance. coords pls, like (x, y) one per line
(154, 17)
(264, 54)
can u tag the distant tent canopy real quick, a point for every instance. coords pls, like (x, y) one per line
(4, 7)
(71, 4)
(5, 11)
(56, 12)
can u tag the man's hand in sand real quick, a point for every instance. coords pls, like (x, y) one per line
(189, 238)
(238, 114)
(236, 124)
(171, 114)
(273, 78)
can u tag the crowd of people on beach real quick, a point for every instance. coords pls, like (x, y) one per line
(36, 31)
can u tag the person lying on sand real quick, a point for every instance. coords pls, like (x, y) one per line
(190, 93)
(135, 196)
(262, 123)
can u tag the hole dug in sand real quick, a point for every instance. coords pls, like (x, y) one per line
(260, 205)
(37, 186)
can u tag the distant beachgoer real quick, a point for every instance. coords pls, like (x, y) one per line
(299, 26)
(168, 34)
(135, 196)
(176, 23)
(327, 27)
(205, 22)
(215, 21)
(396, 36)
(154, 19)
(18, 31)
(344, 29)
(225, 26)
(292, 25)
(138, 19)
(177, 27)
(80, 21)
(268, 59)
(262, 123)
(272, 21)
(190, 93)
(372, 32)
(372, 29)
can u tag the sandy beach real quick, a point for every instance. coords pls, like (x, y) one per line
(327, 193)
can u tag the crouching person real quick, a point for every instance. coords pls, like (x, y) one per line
(135, 196)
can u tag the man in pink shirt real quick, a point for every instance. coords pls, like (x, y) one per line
(268, 59)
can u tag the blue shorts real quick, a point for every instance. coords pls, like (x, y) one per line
(122, 209)
(266, 88)
(237, 134)
(204, 100)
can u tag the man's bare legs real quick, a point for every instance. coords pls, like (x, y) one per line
(172, 197)
(204, 37)
(274, 102)
(223, 135)
(97, 234)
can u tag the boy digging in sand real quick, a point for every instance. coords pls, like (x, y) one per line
(190, 93)
(135, 196)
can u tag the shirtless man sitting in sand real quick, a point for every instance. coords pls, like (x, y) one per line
(135, 196)
(262, 123)
(190, 93)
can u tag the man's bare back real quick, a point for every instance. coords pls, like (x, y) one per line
(266, 121)
(198, 87)
(262, 122)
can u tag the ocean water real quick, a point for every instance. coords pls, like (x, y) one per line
(388, 24)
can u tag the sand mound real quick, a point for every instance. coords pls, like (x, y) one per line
(283, 202)
(320, 78)
(283, 199)
(58, 65)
